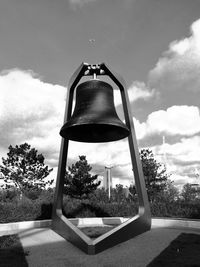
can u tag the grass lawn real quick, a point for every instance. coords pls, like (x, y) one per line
(11, 252)
(96, 231)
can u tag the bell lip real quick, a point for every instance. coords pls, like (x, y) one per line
(124, 133)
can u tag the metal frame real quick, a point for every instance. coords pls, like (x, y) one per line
(132, 227)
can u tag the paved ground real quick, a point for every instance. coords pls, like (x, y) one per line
(48, 249)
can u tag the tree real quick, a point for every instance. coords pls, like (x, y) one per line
(155, 174)
(25, 168)
(169, 194)
(190, 192)
(118, 193)
(78, 182)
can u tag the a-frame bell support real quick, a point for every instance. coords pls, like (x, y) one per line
(132, 227)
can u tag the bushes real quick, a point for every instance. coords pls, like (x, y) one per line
(74, 208)
(25, 209)
(90, 208)
(41, 208)
(33, 193)
(176, 209)
(13, 209)
(15, 212)
(7, 195)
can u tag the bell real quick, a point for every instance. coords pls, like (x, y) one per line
(94, 118)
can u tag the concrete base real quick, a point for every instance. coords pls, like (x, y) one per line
(86, 222)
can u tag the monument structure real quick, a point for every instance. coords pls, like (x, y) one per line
(95, 120)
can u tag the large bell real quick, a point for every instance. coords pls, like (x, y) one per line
(94, 118)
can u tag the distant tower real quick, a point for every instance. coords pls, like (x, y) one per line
(108, 180)
(105, 180)
(164, 151)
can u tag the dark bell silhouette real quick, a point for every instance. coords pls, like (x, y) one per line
(94, 119)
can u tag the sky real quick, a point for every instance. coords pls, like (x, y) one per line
(153, 44)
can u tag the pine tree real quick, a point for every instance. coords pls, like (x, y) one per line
(24, 168)
(156, 178)
(79, 183)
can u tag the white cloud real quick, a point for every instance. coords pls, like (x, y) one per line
(31, 110)
(179, 66)
(190, 44)
(187, 150)
(103, 154)
(99, 155)
(176, 120)
(176, 78)
(138, 90)
(182, 159)
(140, 129)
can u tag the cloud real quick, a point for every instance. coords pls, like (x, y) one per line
(138, 90)
(176, 83)
(102, 154)
(176, 120)
(178, 68)
(99, 155)
(182, 159)
(187, 150)
(31, 110)
(176, 78)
